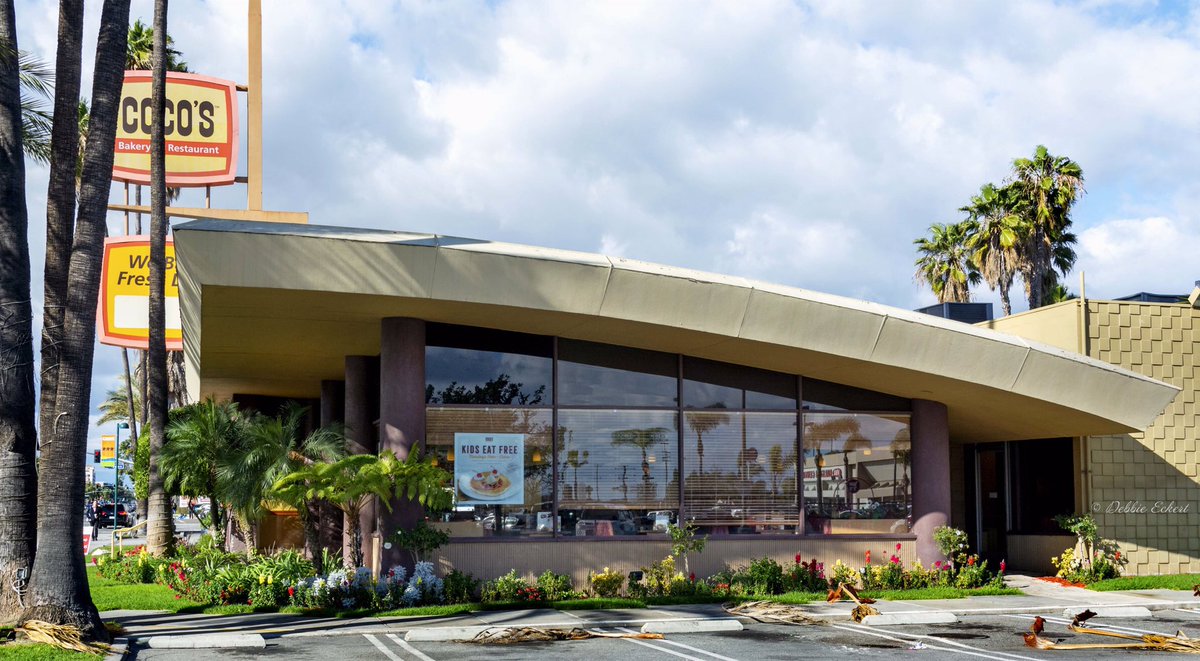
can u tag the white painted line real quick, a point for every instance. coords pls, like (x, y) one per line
(956, 647)
(656, 647)
(686, 647)
(1097, 625)
(382, 648)
(409, 648)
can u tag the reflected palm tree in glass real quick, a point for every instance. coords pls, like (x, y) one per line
(703, 422)
(643, 439)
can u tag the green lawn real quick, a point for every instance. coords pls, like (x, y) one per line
(27, 652)
(938, 593)
(1168, 582)
(109, 595)
(430, 611)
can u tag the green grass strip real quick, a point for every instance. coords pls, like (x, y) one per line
(39, 652)
(109, 595)
(1168, 582)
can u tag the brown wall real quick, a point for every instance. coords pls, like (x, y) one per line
(487, 560)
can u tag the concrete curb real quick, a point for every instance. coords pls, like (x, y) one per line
(206, 641)
(923, 617)
(1124, 612)
(118, 650)
(692, 626)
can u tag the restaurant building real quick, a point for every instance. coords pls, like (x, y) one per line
(584, 402)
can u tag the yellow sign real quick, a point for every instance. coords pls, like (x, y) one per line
(123, 314)
(200, 125)
(108, 451)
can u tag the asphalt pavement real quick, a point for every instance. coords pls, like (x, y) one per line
(980, 627)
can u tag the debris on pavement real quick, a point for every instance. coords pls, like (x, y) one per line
(771, 612)
(62, 636)
(509, 635)
(1180, 643)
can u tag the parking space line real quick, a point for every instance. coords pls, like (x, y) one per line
(656, 647)
(956, 647)
(406, 646)
(382, 648)
(686, 647)
(1091, 624)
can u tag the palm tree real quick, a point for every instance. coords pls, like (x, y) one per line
(58, 586)
(200, 439)
(996, 238)
(1059, 293)
(642, 439)
(1048, 186)
(140, 48)
(703, 422)
(945, 262)
(37, 83)
(18, 438)
(274, 448)
(115, 406)
(160, 528)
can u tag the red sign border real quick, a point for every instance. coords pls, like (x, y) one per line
(122, 339)
(191, 180)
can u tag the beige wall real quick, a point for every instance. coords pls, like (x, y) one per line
(1133, 472)
(1160, 465)
(486, 560)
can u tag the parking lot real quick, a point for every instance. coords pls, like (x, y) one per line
(995, 636)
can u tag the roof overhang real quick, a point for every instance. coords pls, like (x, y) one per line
(274, 309)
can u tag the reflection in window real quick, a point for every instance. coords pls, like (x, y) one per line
(740, 471)
(856, 473)
(478, 366)
(533, 517)
(826, 396)
(618, 472)
(606, 375)
(711, 385)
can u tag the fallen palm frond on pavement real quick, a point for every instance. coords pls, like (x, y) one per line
(861, 609)
(509, 635)
(1179, 643)
(771, 612)
(59, 635)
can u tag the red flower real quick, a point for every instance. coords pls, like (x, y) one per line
(1118, 556)
(868, 556)
(692, 577)
(938, 564)
(1002, 566)
(897, 547)
(291, 592)
(178, 596)
(250, 602)
(971, 561)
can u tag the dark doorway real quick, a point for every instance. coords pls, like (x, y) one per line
(991, 501)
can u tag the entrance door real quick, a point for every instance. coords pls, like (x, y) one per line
(991, 501)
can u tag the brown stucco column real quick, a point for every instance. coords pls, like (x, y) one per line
(401, 411)
(362, 409)
(930, 435)
(329, 518)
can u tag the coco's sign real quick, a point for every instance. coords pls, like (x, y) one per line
(201, 128)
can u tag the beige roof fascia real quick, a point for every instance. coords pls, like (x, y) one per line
(278, 306)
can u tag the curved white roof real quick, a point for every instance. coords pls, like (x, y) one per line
(273, 308)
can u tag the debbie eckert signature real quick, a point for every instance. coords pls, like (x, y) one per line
(1139, 507)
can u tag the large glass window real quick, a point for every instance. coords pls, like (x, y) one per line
(479, 366)
(618, 472)
(826, 396)
(712, 385)
(495, 494)
(591, 374)
(740, 474)
(856, 473)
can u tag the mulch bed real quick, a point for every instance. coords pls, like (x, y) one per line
(1061, 581)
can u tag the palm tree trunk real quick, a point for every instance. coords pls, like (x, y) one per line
(216, 526)
(312, 537)
(354, 559)
(159, 530)
(58, 589)
(18, 439)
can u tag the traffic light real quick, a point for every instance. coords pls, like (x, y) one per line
(96, 457)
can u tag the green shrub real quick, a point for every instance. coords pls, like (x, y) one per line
(843, 573)
(952, 542)
(508, 587)
(763, 576)
(607, 583)
(460, 587)
(555, 586)
(806, 576)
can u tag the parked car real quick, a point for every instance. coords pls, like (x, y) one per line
(124, 518)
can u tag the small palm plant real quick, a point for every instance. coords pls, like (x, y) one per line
(350, 483)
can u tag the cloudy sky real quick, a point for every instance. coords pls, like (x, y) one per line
(805, 143)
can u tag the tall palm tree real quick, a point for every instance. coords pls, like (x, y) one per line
(275, 447)
(140, 48)
(58, 588)
(703, 422)
(18, 439)
(945, 262)
(37, 84)
(996, 238)
(1049, 186)
(200, 440)
(160, 528)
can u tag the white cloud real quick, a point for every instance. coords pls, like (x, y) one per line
(801, 142)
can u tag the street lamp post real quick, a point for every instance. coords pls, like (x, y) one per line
(117, 477)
